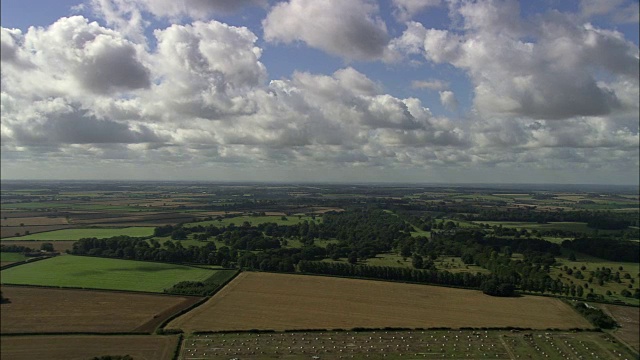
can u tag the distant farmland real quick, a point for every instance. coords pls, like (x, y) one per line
(280, 302)
(76, 234)
(47, 310)
(103, 273)
(64, 347)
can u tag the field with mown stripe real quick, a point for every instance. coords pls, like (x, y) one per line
(103, 273)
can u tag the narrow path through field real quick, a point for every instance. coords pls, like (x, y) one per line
(506, 347)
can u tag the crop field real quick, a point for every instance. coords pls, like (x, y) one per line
(35, 220)
(65, 347)
(49, 310)
(103, 273)
(11, 231)
(393, 344)
(77, 234)
(280, 302)
(628, 318)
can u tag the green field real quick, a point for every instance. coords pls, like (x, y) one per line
(76, 234)
(565, 226)
(102, 273)
(11, 257)
(255, 220)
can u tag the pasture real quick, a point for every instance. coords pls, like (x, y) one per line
(395, 344)
(65, 347)
(77, 234)
(7, 258)
(49, 310)
(280, 301)
(103, 273)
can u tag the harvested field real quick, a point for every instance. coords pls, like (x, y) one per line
(396, 345)
(35, 220)
(628, 318)
(81, 347)
(11, 231)
(48, 310)
(61, 246)
(280, 302)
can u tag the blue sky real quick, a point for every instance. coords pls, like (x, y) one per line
(297, 90)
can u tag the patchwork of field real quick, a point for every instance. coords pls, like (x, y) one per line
(47, 310)
(34, 220)
(279, 302)
(81, 347)
(103, 273)
(390, 344)
(77, 234)
(629, 320)
(11, 231)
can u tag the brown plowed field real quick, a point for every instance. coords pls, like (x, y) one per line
(280, 301)
(10, 231)
(83, 347)
(628, 318)
(48, 310)
(35, 220)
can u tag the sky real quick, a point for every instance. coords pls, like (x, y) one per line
(415, 91)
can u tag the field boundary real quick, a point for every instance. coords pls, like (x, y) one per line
(103, 290)
(161, 328)
(391, 328)
(27, 261)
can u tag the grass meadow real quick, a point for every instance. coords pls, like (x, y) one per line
(77, 234)
(11, 257)
(102, 273)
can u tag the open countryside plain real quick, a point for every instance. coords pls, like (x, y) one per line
(46, 310)
(83, 347)
(280, 302)
(103, 273)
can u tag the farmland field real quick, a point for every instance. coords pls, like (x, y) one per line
(396, 344)
(103, 273)
(279, 302)
(8, 258)
(628, 318)
(61, 245)
(48, 310)
(76, 234)
(65, 347)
